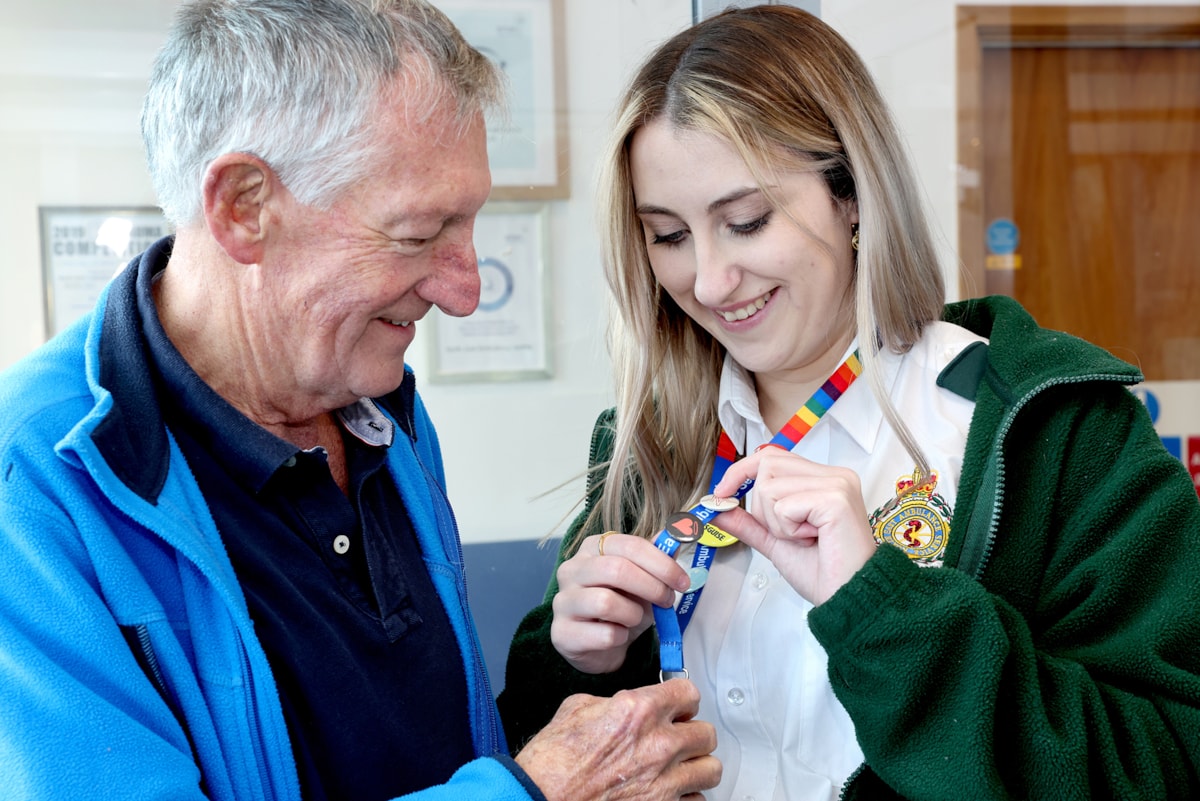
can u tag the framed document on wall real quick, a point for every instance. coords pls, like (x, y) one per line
(527, 148)
(506, 338)
(83, 248)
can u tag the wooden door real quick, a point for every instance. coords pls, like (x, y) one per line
(1080, 146)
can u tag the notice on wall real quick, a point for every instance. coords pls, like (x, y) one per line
(83, 248)
(1174, 406)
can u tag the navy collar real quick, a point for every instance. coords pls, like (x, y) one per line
(132, 437)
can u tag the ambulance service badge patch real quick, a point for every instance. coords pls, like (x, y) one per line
(917, 521)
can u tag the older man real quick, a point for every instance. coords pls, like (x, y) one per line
(232, 571)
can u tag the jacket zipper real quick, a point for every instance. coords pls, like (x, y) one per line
(593, 475)
(976, 556)
(138, 638)
(135, 512)
(981, 553)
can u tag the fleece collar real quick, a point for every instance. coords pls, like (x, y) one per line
(1023, 356)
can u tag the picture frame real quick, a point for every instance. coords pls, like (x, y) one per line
(507, 337)
(83, 247)
(527, 148)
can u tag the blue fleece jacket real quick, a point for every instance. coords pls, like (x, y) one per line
(129, 666)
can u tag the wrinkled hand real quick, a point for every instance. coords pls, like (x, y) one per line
(808, 519)
(603, 602)
(639, 745)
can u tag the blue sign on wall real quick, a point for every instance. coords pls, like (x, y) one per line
(1174, 445)
(1003, 237)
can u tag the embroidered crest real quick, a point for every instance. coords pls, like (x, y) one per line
(918, 523)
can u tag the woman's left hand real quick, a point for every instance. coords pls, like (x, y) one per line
(808, 519)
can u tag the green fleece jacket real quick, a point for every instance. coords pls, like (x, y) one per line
(1056, 655)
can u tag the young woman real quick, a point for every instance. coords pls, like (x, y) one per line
(967, 569)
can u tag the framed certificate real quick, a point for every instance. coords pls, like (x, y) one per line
(527, 148)
(506, 337)
(83, 248)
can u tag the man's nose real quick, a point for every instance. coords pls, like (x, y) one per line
(453, 285)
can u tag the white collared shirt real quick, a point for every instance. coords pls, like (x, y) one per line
(782, 735)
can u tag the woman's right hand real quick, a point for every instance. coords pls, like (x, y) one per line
(604, 596)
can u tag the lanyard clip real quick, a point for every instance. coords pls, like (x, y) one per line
(667, 675)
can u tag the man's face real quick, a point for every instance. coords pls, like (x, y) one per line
(345, 287)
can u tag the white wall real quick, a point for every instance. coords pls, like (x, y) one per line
(72, 73)
(535, 434)
(71, 77)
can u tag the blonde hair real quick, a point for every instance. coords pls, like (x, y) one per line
(787, 92)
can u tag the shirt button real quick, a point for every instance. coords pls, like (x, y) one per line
(341, 544)
(758, 581)
(735, 697)
(291, 462)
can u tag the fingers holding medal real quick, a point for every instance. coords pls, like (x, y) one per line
(718, 504)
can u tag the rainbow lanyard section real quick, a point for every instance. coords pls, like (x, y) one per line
(670, 622)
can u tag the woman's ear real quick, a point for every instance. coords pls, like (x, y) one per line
(850, 210)
(236, 189)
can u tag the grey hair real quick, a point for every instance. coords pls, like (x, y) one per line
(298, 83)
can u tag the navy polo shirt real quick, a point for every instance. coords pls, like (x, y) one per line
(368, 668)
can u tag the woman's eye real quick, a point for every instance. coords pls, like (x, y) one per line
(752, 227)
(673, 238)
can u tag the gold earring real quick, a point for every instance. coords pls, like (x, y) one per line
(854, 235)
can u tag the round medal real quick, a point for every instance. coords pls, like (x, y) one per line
(718, 504)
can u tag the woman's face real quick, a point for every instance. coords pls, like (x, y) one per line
(775, 294)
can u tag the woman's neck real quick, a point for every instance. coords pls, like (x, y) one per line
(782, 393)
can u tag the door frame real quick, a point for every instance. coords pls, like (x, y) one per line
(1017, 26)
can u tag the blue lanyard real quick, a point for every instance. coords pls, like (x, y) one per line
(669, 622)
(689, 526)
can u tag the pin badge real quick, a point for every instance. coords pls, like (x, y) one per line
(718, 504)
(685, 527)
(698, 576)
(715, 537)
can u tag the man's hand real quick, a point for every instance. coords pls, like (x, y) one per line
(640, 744)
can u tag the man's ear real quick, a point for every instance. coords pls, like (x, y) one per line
(236, 189)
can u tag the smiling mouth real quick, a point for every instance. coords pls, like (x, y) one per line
(398, 323)
(747, 311)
